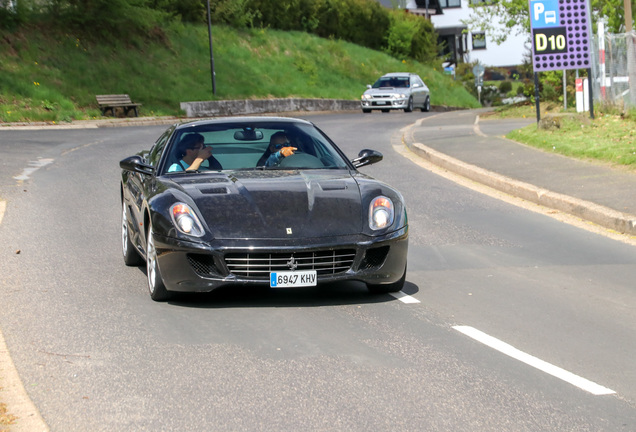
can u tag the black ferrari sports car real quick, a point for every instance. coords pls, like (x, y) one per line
(258, 200)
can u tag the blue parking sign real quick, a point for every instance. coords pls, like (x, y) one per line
(544, 13)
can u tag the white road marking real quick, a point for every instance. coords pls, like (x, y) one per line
(3, 208)
(548, 368)
(476, 128)
(404, 298)
(33, 167)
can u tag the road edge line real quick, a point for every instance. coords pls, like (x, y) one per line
(12, 391)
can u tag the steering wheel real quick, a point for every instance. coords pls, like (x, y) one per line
(301, 160)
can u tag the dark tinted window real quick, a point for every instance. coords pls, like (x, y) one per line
(450, 4)
(395, 82)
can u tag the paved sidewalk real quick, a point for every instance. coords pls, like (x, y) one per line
(466, 144)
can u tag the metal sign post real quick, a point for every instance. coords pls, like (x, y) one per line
(478, 71)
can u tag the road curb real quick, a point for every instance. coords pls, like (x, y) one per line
(608, 218)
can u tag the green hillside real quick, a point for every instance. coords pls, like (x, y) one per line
(45, 77)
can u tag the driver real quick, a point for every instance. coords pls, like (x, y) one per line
(279, 148)
(194, 155)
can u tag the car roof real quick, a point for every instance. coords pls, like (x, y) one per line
(248, 119)
(398, 74)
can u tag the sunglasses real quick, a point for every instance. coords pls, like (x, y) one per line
(281, 145)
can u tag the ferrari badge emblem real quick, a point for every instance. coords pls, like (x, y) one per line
(292, 264)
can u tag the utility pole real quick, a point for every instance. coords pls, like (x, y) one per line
(211, 53)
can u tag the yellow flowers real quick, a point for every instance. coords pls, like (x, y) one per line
(35, 83)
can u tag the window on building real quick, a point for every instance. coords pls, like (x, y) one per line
(444, 4)
(479, 41)
(481, 2)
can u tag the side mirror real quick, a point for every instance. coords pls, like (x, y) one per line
(136, 164)
(416, 85)
(368, 86)
(367, 157)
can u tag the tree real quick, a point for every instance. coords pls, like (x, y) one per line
(499, 17)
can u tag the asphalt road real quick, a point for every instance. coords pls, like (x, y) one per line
(95, 353)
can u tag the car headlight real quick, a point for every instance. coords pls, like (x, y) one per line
(186, 220)
(365, 97)
(381, 213)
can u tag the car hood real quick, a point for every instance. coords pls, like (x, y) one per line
(387, 91)
(276, 204)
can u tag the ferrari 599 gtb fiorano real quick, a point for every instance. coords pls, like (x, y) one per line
(258, 200)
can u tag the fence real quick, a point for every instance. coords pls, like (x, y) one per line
(615, 69)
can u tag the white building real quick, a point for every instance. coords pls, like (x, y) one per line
(460, 42)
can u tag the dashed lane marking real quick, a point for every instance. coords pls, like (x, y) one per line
(543, 366)
(404, 298)
(33, 167)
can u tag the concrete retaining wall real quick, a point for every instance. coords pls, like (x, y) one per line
(261, 106)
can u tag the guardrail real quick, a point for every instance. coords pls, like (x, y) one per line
(262, 106)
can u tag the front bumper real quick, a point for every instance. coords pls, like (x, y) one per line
(383, 104)
(201, 267)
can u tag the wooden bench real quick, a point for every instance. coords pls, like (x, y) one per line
(110, 102)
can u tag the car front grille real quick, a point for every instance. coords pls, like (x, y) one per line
(259, 265)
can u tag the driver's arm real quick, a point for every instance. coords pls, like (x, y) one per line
(275, 158)
(202, 156)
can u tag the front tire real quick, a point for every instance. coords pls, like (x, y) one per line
(388, 288)
(409, 107)
(366, 111)
(131, 256)
(427, 105)
(158, 291)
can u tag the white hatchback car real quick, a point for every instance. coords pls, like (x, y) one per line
(399, 90)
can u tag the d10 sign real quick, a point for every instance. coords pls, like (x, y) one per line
(560, 34)
(550, 41)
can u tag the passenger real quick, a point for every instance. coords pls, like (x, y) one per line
(195, 155)
(278, 149)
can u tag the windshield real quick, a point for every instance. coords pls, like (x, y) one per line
(243, 146)
(395, 82)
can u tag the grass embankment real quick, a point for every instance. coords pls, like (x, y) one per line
(608, 138)
(56, 78)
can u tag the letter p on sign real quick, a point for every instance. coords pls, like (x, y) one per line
(539, 8)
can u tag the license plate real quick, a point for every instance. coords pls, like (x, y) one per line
(380, 102)
(287, 279)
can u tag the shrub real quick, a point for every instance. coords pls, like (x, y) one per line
(505, 87)
(362, 22)
(549, 93)
(400, 36)
(103, 18)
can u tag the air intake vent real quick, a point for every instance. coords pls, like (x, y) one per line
(374, 258)
(203, 264)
